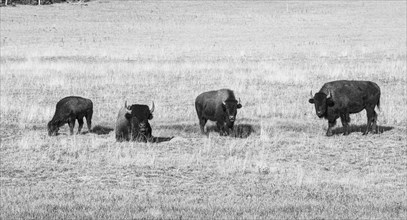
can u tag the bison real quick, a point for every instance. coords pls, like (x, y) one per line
(68, 110)
(341, 98)
(220, 106)
(132, 123)
(123, 123)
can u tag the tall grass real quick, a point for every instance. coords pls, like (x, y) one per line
(272, 54)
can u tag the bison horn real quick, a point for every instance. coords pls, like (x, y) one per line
(311, 94)
(239, 100)
(128, 107)
(329, 95)
(152, 107)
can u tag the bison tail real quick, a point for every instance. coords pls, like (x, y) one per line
(378, 105)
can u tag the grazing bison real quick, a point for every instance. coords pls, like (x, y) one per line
(68, 110)
(220, 106)
(341, 98)
(132, 123)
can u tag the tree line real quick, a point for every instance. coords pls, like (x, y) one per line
(36, 2)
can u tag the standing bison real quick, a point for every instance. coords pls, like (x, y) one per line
(341, 98)
(132, 123)
(220, 106)
(68, 110)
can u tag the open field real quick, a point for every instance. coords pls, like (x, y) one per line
(270, 53)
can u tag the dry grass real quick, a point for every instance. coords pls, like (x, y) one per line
(271, 53)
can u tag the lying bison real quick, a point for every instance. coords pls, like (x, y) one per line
(341, 98)
(132, 123)
(68, 110)
(220, 106)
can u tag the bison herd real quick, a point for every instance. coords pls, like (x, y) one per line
(337, 99)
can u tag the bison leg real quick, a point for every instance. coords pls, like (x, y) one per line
(330, 125)
(231, 125)
(202, 122)
(123, 136)
(140, 138)
(149, 136)
(119, 137)
(71, 124)
(374, 122)
(89, 120)
(80, 122)
(225, 130)
(222, 128)
(345, 123)
(371, 120)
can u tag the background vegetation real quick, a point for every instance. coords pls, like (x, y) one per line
(272, 54)
(35, 2)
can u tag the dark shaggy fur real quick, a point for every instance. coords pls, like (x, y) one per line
(68, 110)
(220, 106)
(132, 123)
(339, 99)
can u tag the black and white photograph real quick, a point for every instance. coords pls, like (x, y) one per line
(203, 109)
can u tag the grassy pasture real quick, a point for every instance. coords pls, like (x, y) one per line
(270, 53)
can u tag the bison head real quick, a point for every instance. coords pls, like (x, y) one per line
(52, 129)
(139, 116)
(321, 102)
(230, 108)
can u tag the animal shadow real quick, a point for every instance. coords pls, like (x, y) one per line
(100, 130)
(242, 131)
(187, 128)
(61, 134)
(161, 139)
(361, 129)
(239, 131)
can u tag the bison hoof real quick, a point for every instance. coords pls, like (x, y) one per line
(346, 133)
(329, 134)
